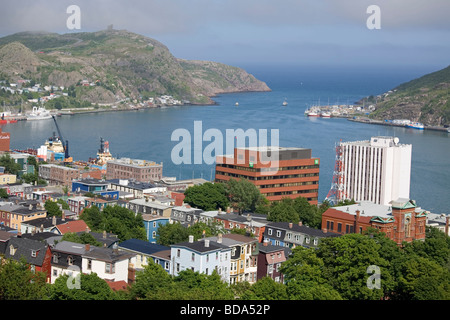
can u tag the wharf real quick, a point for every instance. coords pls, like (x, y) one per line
(385, 123)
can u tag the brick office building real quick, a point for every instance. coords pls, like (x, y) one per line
(58, 175)
(401, 221)
(139, 170)
(278, 172)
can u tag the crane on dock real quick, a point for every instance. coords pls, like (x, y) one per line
(65, 143)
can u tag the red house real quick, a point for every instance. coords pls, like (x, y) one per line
(36, 254)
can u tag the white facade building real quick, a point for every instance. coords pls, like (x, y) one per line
(378, 170)
(201, 256)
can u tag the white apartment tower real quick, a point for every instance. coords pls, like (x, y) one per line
(378, 170)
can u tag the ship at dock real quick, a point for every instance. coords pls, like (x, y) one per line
(103, 155)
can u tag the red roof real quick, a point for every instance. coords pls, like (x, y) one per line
(72, 226)
(117, 285)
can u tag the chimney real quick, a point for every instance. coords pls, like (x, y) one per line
(300, 223)
(63, 217)
(324, 230)
(87, 229)
(220, 211)
(206, 243)
(290, 225)
(219, 238)
(42, 228)
(87, 247)
(104, 234)
(115, 248)
(30, 207)
(266, 242)
(54, 220)
(191, 239)
(228, 209)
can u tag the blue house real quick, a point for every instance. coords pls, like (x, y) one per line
(145, 251)
(152, 223)
(95, 186)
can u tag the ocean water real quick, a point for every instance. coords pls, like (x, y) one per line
(147, 134)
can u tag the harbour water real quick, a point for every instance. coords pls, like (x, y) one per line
(146, 134)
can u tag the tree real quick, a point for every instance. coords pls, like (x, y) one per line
(266, 289)
(304, 276)
(423, 279)
(346, 266)
(171, 233)
(4, 194)
(283, 210)
(308, 213)
(243, 195)
(10, 165)
(207, 196)
(17, 282)
(93, 218)
(150, 281)
(124, 223)
(52, 209)
(91, 288)
(84, 238)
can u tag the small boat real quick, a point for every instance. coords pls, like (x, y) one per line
(312, 113)
(236, 104)
(325, 114)
(39, 114)
(285, 102)
(415, 125)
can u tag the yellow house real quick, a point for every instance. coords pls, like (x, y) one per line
(6, 178)
(19, 215)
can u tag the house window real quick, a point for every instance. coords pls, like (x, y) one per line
(70, 260)
(166, 265)
(316, 241)
(12, 250)
(89, 264)
(153, 234)
(55, 272)
(55, 258)
(307, 240)
(33, 253)
(193, 256)
(339, 228)
(270, 232)
(278, 233)
(33, 268)
(109, 268)
(206, 271)
(178, 267)
(178, 253)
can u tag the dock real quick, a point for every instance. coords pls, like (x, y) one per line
(386, 123)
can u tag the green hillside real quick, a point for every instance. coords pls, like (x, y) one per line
(124, 65)
(425, 99)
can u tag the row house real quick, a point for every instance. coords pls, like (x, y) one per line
(100, 203)
(109, 264)
(244, 253)
(46, 224)
(76, 204)
(151, 224)
(35, 253)
(22, 190)
(201, 256)
(253, 223)
(185, 215)
(270, 258)
(146, 252)
(13, 216)
(401, 221)
(288, 234)
(147, 206)
(137, 188)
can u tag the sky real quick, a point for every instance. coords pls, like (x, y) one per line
(261, 32)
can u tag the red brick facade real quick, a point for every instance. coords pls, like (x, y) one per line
(405, 224)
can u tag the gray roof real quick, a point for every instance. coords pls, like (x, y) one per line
(200, 247)
(107, 254)
(284, 226)
(70, 247)
(24, 249)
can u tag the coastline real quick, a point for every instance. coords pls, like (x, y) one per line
(384, 123)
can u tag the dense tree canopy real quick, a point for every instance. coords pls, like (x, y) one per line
(243, 195)
(207, 196)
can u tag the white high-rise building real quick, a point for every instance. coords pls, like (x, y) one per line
(378, 170)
